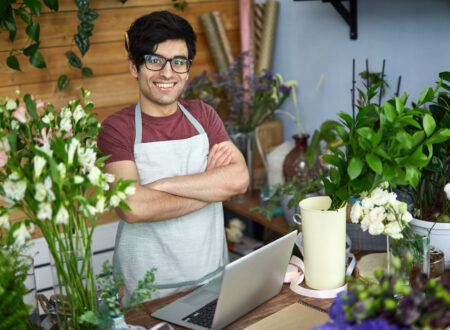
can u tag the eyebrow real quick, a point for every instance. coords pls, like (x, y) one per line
(176, 56)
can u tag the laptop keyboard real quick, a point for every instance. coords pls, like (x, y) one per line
(203, 316)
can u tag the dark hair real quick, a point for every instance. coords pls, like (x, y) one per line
(150, 30)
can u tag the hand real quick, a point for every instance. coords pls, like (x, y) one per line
(218, 156)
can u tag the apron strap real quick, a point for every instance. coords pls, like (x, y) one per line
(189, 283)
(138, 121)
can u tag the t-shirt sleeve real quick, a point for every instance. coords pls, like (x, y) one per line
(214, 126)
(116, 139)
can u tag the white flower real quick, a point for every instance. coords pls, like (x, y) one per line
(376, 228)
(72, 148)
(390, 216)
(94, 175)
(394, 229)
(48, 186)
(78, 179)
(355, 213)
(447, 190)
(4, 221)
(22, 234)
(407, 217)
(87, 158)
(100, 206)
(367, 205)
(365, 222)
(114, 201)
(38, 165)
(46, 148)
(62, 216)
(65, 124)
(78, 113)
(88, 209)
(236, 223)
(41, 192)
(377, 214)
(121, 195)
(14, 124)
(379, 196)
(44, 211)
(234, 234)
(65, 113)
(110, 177)
(130, 190)
(3, 158)
(48, 118)
(62, 170)
(384, 185)
(15, 189)
(4, 144)
(11, 104)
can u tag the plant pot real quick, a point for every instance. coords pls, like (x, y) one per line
(439, 235)
(323, 243)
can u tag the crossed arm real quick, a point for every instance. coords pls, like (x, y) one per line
(226, 175)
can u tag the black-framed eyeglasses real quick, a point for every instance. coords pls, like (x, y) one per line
(158, 62)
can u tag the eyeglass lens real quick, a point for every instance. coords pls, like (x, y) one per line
(157, 63)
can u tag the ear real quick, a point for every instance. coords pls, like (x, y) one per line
(133, 69)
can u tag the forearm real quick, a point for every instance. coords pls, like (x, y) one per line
(214, 185)
(148, 205)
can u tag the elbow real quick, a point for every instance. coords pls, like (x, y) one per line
(242, 183)
(133, 215)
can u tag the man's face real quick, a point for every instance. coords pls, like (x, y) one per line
(161, 89)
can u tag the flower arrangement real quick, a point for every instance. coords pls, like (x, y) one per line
(250, 103)
(50, 170)
(234, 230)
(389, 303)
(388, 142)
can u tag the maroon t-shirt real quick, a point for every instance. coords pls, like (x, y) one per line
(117, 137)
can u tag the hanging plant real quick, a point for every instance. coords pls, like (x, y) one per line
(28, 11)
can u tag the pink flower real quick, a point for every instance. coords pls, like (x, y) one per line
(3, 158)
(20, 114)
(69, 134)
(45, 136)
(39, 104)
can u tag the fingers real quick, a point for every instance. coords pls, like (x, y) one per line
(219, 156)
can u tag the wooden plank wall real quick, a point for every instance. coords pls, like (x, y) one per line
(112, 87)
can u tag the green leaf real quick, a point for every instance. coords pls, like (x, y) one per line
(33, 30)
(374, 163)
(13, 62)
(63, 81)
(355, 167)
(412, 176)
(426, 96)
(388, 171)
(409, 120)
(389, 111)
(82, 41)
(439, 137)
(82, 4)
(30, 50)
(333, 160)
(429, 124)
(399, 106)
(334, 175)
(347, 118)
(31, 106)
(86, 72)
(87, 15)
(86, 27)
(9, 20)
(342, 133)
(24, 15)
(74, 60)
(380, 151)
(445, 75)
(37, 60)
(52, 4)
(34, 5)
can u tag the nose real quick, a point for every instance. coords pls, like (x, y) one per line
(167, 70)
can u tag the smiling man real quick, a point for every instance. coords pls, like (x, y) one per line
(182, 160)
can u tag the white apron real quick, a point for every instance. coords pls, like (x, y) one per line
(188, 250)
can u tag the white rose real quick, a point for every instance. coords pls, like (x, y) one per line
(366, 205)
(21, 234)
(38, 165)
(66, 124)
(11, 104)
(114, 201)
(376, 228)
(94, 176)
(4, 222)
(365, 222)
(447, 190)
(15, 189)
(66, 113)
(41, 192)
(78, 113)
(394, 230)
(62, 216)
(355, 213)
(130, 190)
(379, 196)
(407, 217)
(390, 216)
(377, 214)
(44, 211)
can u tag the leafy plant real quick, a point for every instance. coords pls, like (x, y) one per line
(178, 4)
(389, 143)
(109, 284)
(13, 272)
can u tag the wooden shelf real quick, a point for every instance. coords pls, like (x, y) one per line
(242, 204)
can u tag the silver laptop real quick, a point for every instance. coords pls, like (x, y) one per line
(245, 284)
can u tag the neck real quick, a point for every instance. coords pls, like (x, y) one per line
(157, 110)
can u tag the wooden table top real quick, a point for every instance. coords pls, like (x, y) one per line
(285, 298)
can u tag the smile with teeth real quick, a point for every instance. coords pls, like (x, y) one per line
(164, 85)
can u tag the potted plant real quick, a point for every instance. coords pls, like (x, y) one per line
(51, 172)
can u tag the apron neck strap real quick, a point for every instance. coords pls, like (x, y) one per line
(138, 121)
